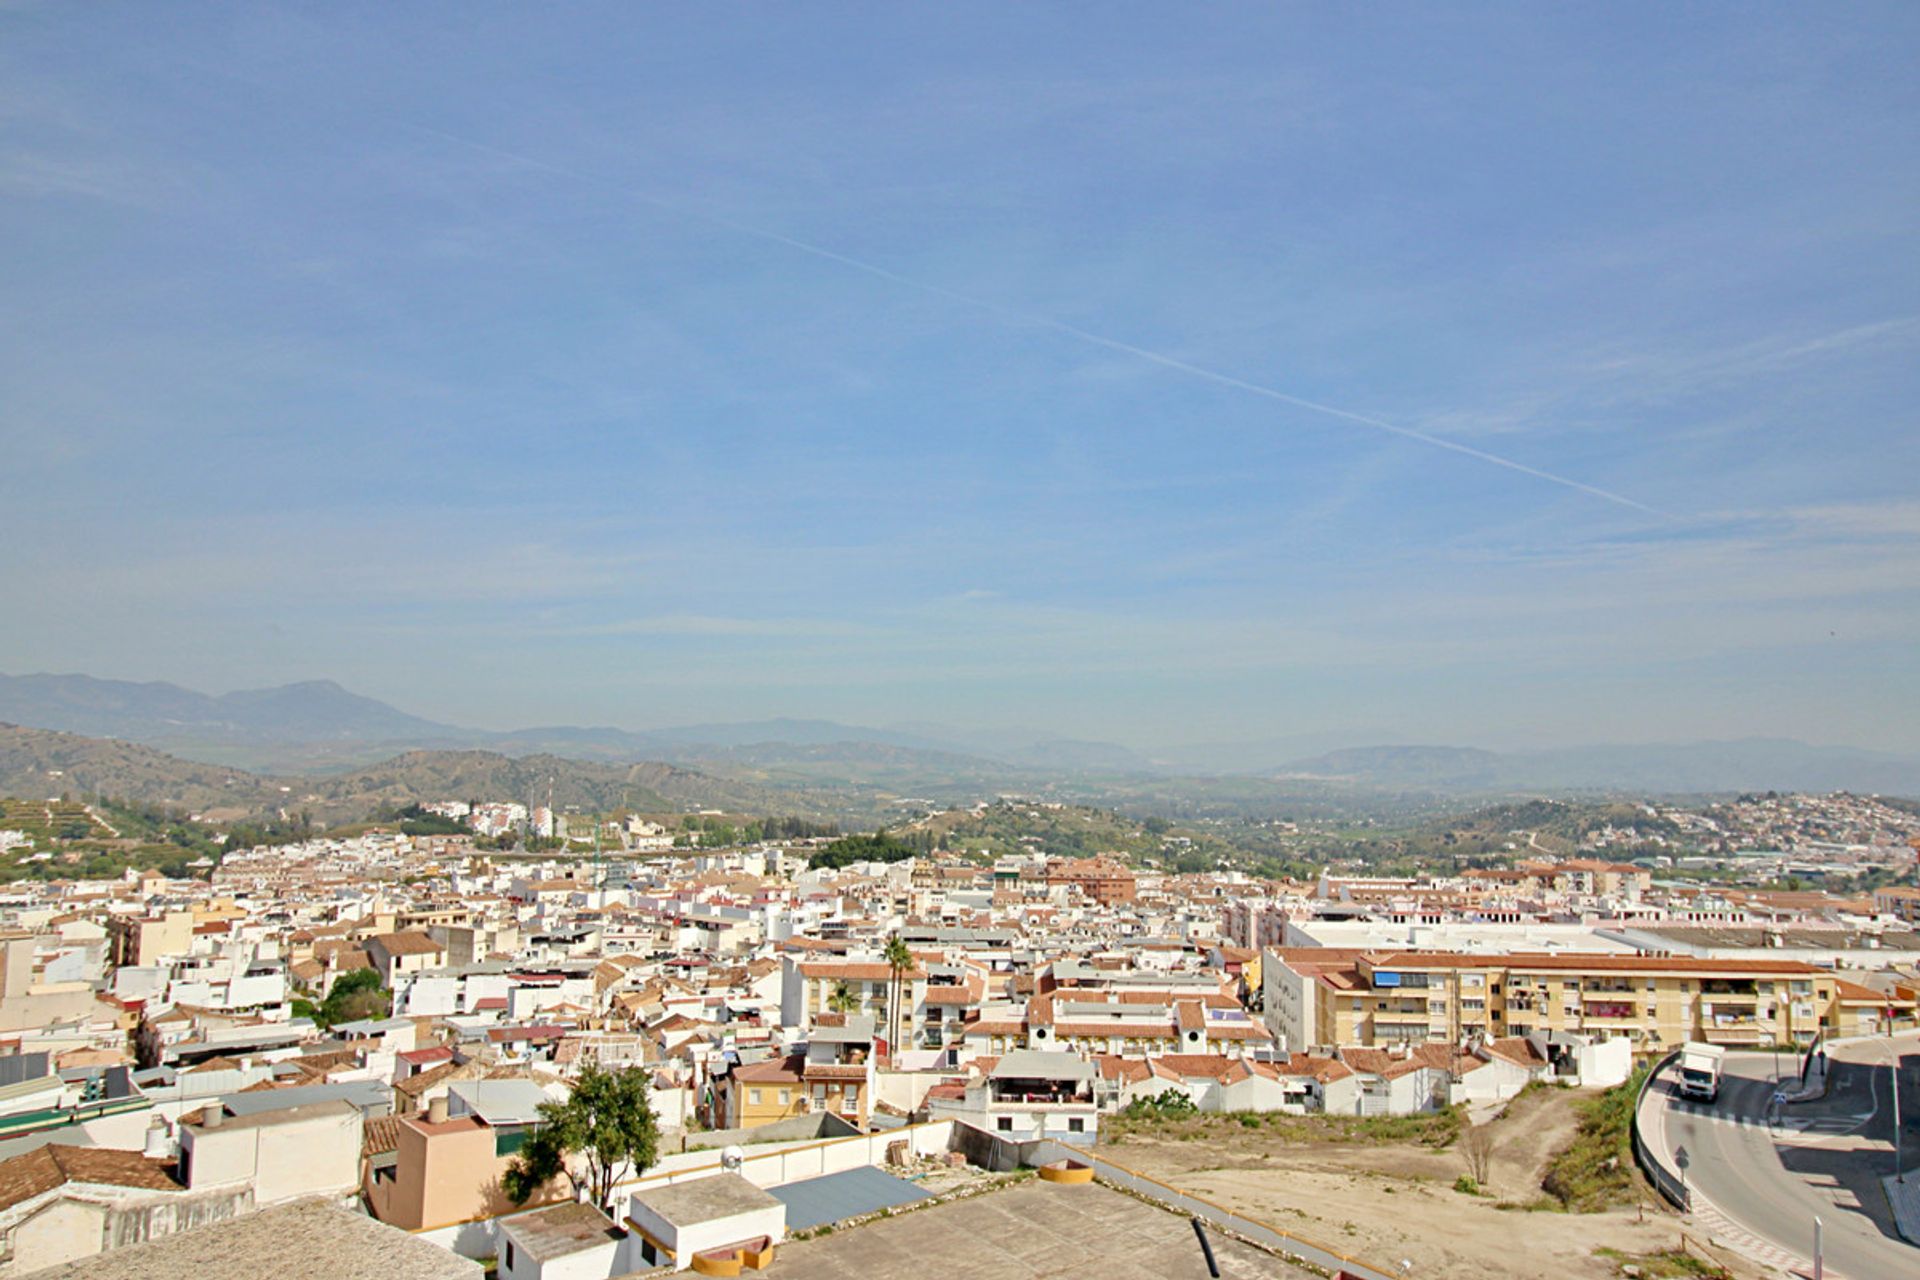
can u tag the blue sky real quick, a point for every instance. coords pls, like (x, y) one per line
(646, 364)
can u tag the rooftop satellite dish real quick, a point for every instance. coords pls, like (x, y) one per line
(731, 1158)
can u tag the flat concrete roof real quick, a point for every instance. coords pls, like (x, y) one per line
(1043, 1064)
(306, 1240)
(296, 1114)
(1025, 1232)
(561, 1229)
(719, 1195)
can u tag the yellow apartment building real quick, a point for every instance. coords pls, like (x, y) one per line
(1658, 1001)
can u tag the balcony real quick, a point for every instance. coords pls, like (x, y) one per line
(1610, 1011)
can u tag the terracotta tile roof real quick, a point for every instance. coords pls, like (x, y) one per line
(772, 1071)
(833, 1071)
(381, 1135)
(855, 970)
(408, 943)
(54, 1165)
(1238, 1031)
(1854, 993)
(1517, 1049)
(1126, 1070)
(1187, 1065)
(1381, 1062)
(423, 1057)
(1321, 1069)
(415, 1085)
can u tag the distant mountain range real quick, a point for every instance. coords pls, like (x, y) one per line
(316, 725)
(316, 728)
(313, 711)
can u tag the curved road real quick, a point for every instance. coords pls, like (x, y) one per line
(1823, 1157)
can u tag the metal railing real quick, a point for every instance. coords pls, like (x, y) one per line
(1670, 1184)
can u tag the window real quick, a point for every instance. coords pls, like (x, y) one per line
(786, 1097)
(509, 1255)
(853, 1095)
(1004, 1124)
(753, 1096)
(1076, 1125)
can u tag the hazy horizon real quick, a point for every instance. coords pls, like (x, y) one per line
(1508, 379)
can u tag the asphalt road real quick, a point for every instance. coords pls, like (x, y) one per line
(1824, 1158)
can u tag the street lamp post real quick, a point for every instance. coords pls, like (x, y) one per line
(1893, 1061)
(1819, 1264)
(1893, 1051)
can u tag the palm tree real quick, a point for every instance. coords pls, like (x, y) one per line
(844, 1000)
(900, 962)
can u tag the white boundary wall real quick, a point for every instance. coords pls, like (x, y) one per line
(785, 1162)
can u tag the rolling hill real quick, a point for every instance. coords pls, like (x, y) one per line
(42, 763)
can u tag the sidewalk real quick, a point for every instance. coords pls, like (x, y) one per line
(1904, 1199)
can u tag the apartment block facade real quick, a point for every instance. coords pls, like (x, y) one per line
(1658, 1002)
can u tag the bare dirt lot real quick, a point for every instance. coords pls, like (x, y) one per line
(1385, 1201)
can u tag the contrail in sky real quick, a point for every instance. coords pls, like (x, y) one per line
(1047, 322)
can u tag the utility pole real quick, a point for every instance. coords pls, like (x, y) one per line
(1819, 1263)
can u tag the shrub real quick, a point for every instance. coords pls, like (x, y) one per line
(1167, 1104)
(1596, 1170)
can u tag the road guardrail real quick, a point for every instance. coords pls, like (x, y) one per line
(1669, 1183)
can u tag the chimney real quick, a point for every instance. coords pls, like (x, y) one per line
(213, 1116)
(437, 1110)
(159, 1145)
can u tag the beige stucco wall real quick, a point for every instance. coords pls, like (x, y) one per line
(61, 1232)
(316, 1153)
(442, 1175)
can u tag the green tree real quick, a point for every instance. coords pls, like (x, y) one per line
(606, 1123)
(899, 958)
(844, 1000)
(354, 996)
(879, 847)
